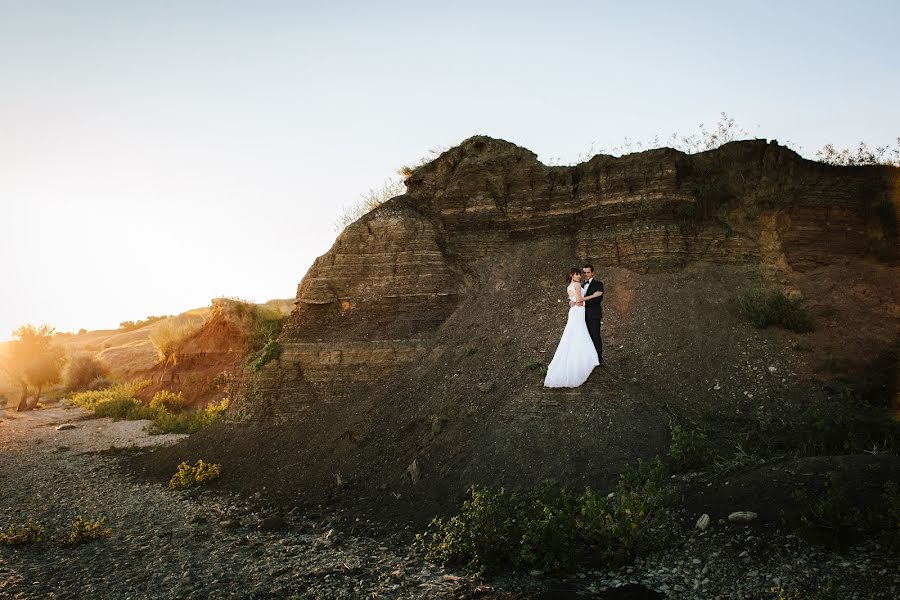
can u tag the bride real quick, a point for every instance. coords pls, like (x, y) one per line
(575, 356)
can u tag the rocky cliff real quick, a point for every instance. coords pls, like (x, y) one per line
(413, 359)
(393, 277)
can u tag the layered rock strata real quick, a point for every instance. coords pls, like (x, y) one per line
(372, 303)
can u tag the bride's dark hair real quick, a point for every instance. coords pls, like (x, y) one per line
(573, 271)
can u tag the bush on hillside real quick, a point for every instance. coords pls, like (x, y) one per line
(81, 369)
(264, 321)
(776, 308)
(271, 351)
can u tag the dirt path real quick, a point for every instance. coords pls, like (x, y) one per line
(171, 544)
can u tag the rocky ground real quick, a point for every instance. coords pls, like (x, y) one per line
(202, 544)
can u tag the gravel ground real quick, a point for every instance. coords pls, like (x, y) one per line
(203, 544)
(173, 544)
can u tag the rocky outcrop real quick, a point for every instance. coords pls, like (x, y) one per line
(412, 364)
(369, 306)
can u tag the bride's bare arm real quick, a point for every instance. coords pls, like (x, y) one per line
(579, 297)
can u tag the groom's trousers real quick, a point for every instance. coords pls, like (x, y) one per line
(593, 326)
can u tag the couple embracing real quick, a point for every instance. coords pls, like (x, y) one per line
(580, 347)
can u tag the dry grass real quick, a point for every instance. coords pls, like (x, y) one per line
(167, 334)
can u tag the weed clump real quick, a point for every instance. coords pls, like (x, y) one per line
(188, 476)
(85, 530)
(17, 534)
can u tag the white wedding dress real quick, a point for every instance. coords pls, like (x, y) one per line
(575, 356)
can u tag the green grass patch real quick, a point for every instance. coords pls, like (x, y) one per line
(765, 309)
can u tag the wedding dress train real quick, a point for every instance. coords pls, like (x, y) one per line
(575, 356)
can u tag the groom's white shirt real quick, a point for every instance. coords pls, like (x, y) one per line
(587, 283)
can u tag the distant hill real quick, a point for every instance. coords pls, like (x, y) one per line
(130, 354)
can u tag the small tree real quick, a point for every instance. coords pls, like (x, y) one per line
(33, 360)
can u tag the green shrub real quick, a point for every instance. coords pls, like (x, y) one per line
(80, 370)
(690, 449)
(169, 422)
(636, 474)
(172, 401)
(29, 532)
(265, 321)
(188, 476)
(271, 351)
(123, 408)
(119, 402)
(848, 424)
(833, 509)
(90, 400)
(552, 528)
(85, 530)
(775, 308)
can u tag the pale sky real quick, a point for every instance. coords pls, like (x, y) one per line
(156, 154)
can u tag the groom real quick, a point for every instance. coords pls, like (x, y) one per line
(593, 308)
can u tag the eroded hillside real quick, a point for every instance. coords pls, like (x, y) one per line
(412, 364)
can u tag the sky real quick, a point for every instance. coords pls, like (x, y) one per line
(155, 155)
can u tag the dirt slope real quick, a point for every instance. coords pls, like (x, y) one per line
(400, 387)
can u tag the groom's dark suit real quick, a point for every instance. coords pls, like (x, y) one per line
(593, 313)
